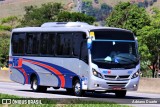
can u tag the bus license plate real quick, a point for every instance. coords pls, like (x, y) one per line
(117, 88)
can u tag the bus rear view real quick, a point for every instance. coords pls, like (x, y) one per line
(114, 61)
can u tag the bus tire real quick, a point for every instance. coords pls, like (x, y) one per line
(37, 88)
(120, 93)
(77, 89)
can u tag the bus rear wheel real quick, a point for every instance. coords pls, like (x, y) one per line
(37, 88)
(120, 93)
(77, 89)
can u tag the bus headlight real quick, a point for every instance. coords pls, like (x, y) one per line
(136, 74)
(97, 74)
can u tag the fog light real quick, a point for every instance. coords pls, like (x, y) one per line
(134, 85)
(96, 85)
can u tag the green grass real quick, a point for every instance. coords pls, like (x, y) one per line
(94, 104)
(8, 96)
(51, 103)
(62, 103)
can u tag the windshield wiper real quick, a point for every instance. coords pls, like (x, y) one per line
(103, 61)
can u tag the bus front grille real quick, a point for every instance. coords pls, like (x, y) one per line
(116, 77)
(116, 84)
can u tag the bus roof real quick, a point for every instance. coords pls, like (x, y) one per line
(64, 26)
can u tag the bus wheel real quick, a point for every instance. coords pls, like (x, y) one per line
(120, 93)
(35, 87)
(77, 88)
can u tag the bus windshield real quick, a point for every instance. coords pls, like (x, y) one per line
(115, 52)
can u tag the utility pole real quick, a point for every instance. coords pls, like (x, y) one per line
(79, 6)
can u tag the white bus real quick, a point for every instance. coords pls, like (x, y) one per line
(75, 56)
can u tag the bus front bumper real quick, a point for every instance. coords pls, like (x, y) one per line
(101, 84)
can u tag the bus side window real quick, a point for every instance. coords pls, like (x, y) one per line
(18, 43)
(77, 40)
(51, 43)
(47, 45)
(64, 44)
(84, 51)
(43, 44)
(32, 45)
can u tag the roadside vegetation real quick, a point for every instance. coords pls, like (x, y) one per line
(145, 27)
(35, 16)
(127, 15)
(60, 103)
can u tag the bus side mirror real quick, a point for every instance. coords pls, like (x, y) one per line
(89, 43)
(89, 46)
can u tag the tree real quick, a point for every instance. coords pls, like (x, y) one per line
(99, 13)
(8, 23)
(74, 16)
(128, 16)
(4, 48)
(51, 12)
(35, 16)
(150, 38)
(4, 27)
(134, 18)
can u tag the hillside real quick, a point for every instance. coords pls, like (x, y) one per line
(16, 7)
(156, 4)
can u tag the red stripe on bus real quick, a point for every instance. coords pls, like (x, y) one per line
(58, 73)
(20, 62)
(10, 65)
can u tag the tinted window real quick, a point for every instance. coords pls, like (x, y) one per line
(84, 51)
(18, 43)
(114, 54)
(47, 43)
(113, 34)
(44, 43)
(77, 40)
(32, 44)
(51, 43)
(102, 49)
(64, 44)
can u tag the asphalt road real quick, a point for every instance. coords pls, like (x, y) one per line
(25, 91)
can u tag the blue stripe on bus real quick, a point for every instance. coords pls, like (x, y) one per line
(22, 74)
(10, 62)
(59, 82)
(30, 71)
(68, 73)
